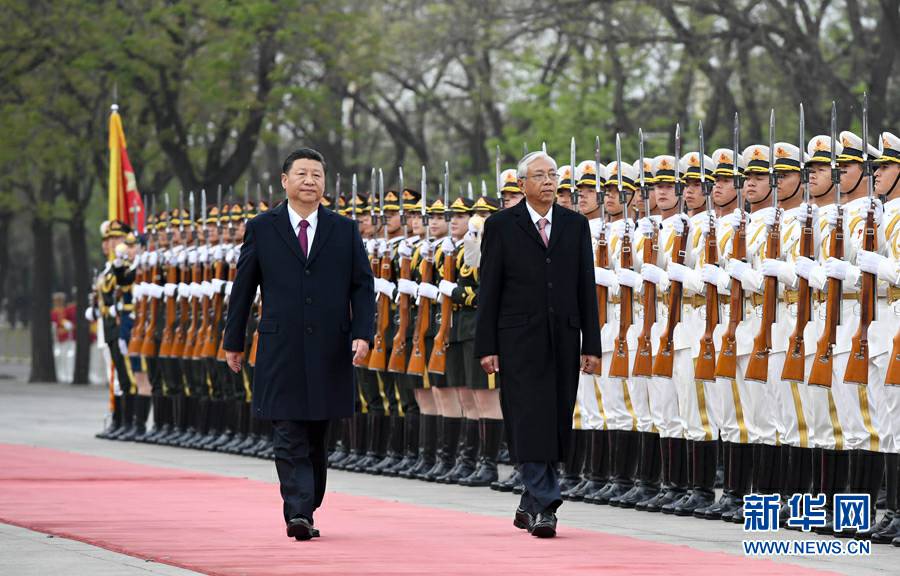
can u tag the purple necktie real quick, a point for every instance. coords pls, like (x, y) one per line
(304, 241)
(542, 224)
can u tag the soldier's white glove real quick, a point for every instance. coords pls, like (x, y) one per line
(196, 290)
(704, 222)
(89, 314)
(447, 288)
(680, 224)
(184, 290)
(169, 289)
(371, 245)
(405, 249)
(112, 311)
(628, 277)
(781, 270)
(426, 251)
(429, 291)
(203, 255)
(875, 263)
(407, 287)
(447, 246)
(768, 216)
(733, 219)
(879, 211)
(152, 258)
(837, 269)
(218, 253)
(653, 273)
(137, 291)
(216, 285)
(192, 257)
(830, 214)
(232, 256)
(157, 291)
(385, 287)
(749, 278)
(804, 211)
(383, 249)
(605, 277)
(712, 274)
(647, 226)
(228, 286)
(205, 290)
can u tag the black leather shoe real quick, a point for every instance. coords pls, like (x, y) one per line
(545, 525)
(300, 528)
(888, 533)
(508, 484)
(524, 520)
(698, 499)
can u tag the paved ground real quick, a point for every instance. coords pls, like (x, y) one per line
(65, 417)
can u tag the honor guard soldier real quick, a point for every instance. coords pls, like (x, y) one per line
(565, 187)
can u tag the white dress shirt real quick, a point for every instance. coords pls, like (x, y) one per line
(313, 220)
(535, 217)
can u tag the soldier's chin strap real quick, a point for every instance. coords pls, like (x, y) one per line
(894, 185)
(853, 188)
(794, 193)
(825, 193)
(769, 193)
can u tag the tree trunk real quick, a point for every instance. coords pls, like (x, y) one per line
(78, 242)
(43, 368)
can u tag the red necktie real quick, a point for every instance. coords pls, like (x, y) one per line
(542, 224)
(304, 241)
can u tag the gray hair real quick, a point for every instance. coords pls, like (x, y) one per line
(522, 170)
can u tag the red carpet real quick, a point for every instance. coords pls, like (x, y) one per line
(220, 525)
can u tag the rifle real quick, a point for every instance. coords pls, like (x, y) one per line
(378, 360)
(601, 251)
(758, 366)
(140, 315)
(200, 334)
(574, 193)
(665, 356)
(437, 363)
(794, 362)
(149, 346)
(821, 372)
(398, 359)
(726, 364)
(857, 371)
(211, 341)
(184, 275)
(643, 360)
(705, 365)
(618, 367)
(423, 319)
(190, 341)
(168, 335)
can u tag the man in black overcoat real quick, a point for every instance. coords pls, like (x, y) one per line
(317, 319)
(537, 325)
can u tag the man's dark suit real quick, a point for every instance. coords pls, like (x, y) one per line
(534, 305)
(312, 308)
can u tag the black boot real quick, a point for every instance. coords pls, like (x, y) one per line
(889, 527)
(869, 480)
(625, 462)
(448, 443)
(678, 477)
(486, 472)
(649, 464)
(428, 424)
(394, 447)
(410, 445)
(158, 420)
(613, 441)
(728, 502)
(115, 420)
(129, 431)
(797, 479)
(721, 454)
(704, 479)
(377, 442)
(574, 462)
(743, 467)
(465, 456)
(835, 475)
(141, 414)
(596, 472)
(176, 407)
(359, 431)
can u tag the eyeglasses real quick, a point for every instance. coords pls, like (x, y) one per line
(541, 177)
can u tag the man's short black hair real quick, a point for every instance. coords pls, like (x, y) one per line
(303, 153)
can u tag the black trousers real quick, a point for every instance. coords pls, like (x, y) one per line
(301, 460)
(541, 482)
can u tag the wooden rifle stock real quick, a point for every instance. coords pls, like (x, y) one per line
(705, 365)
(857, 371)
(140, 316)
(795, 360)
(220, 354)
(149, 346)
(643, 360)
(423, 323)
(726, 363)
(664, 362)
(438, 361)
(378, 360)
(200, 334)
(190, 332)
(758, 366)
(168, 335)
(601, 259)
(618, 366)
(398, 360)
(211, 340)
(822, 368)
(892, 378)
